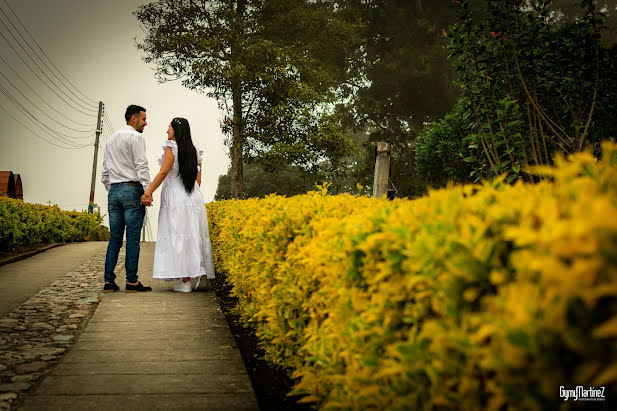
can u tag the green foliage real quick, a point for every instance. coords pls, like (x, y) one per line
(32, 224)
(343, 176)
(272, 66)
(286, 181)
(407, 81)
(442, 154)
(532, 82)
(319, 142)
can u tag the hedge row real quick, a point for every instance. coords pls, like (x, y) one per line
(485, 296)
(24, 224)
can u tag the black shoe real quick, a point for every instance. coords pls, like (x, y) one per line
(135, 288)
(110, 288)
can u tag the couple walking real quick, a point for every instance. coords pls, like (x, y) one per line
(183, 250)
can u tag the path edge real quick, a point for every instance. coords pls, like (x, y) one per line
(29, 254)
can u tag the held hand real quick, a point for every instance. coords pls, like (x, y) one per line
(146, 200)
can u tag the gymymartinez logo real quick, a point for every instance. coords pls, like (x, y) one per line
(582, 394)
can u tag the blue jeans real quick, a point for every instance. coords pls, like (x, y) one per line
(125, 210)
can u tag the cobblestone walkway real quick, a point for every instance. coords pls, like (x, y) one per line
(21, 280)
(38, 332)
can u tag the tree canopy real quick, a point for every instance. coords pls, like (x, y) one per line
(535, 79)
(310, 86)
(273, 66)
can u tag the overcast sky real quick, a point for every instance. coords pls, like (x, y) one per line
(91, 42)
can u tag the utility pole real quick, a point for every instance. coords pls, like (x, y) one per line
(99, 129)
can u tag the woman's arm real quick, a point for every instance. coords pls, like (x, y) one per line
(168, 162)
(198, 179)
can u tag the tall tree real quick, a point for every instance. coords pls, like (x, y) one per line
(535, 78)
(272, 65)
(408, 80)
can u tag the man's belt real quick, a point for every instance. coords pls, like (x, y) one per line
(128, 183)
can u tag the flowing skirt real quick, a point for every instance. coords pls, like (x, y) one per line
(183, 247)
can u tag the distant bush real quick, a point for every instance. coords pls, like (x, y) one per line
(442, 155)
(23, 224)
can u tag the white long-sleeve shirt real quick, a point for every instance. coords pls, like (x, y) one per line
(125, 158)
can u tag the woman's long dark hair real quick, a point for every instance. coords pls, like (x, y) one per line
(187, 156)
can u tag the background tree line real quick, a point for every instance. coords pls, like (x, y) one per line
(462, 90)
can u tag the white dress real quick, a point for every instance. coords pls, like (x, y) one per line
(183, 247)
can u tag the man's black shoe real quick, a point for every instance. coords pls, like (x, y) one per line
(110, 288)
(135, 288)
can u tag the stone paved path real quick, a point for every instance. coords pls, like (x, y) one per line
(22, 279)
(159, 350)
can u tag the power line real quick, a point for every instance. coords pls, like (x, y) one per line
(105, 136)
(108, 125)
(37, 107)
(37, 94)
(50, 134)
(63, 138)
(45, 54)
(39, 57)
(37, 75)
(37, 135)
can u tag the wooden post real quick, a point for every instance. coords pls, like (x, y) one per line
(382, 169)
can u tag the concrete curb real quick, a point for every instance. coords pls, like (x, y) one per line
(29, 254)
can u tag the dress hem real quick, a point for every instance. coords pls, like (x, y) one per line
(169, 279)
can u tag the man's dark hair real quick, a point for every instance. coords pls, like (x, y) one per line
(132, 110)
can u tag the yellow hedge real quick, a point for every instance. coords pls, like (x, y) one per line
(32, 224)
(476, 297)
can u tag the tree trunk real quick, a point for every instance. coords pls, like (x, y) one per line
(237, 159)
(419, 7)
(237, 147)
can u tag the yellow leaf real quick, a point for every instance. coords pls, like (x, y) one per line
(609, 375)
(307, 399)
(484, 332)
(586, 371)
(606, 330)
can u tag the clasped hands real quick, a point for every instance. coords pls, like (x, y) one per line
(146, 200)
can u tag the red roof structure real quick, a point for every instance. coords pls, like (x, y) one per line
(10, 185)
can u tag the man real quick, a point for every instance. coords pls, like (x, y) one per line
(126, 176)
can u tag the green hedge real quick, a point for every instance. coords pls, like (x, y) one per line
(476, 297)
(25, 224)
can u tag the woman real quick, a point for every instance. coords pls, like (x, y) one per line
(183, 250)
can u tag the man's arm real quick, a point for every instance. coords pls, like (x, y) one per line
(138, 146)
